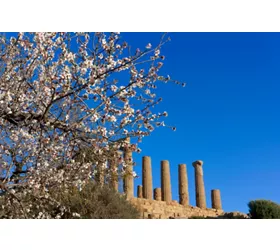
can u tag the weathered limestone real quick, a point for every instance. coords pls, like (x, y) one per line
(165, 182)
(113, 181)
(183, 185)
(139, 191)
(99, 176)
(162, 210)
(128, 184)
(147, 181)
(157, 194)
(199, 185)
(216, 199)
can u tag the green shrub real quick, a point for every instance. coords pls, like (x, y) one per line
(92, 202)
(264, 209)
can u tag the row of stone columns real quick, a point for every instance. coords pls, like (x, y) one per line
(164, 193)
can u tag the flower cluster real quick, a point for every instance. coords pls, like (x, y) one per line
(61, 92)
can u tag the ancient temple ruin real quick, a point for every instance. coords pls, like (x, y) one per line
(157, 202)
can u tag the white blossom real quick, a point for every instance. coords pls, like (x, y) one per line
(57, 94)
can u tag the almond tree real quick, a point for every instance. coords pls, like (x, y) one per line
(63, 92)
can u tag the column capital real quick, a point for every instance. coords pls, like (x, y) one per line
(197, 163)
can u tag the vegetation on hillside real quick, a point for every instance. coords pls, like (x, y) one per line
(264, 209)
(91, 202)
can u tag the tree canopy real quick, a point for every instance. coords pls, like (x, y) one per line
(61, 93)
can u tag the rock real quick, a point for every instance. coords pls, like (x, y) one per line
(234, 215)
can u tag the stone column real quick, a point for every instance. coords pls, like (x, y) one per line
(147, 180)
(99, 176)
(139, 191)
(199, 185)
(128, 179)
(183, 185)
(113, 181)
(216, 199)
(157, 194)
(165, 182)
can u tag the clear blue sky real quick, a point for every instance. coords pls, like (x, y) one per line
(227, 115)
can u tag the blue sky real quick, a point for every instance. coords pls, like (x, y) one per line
(227, 115)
